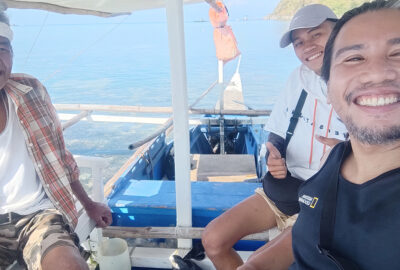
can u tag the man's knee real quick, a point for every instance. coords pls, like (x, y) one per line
(247, 266)
(64, 258)
(212, 241)
(208, 239)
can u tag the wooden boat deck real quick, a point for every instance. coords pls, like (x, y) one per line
(222, 168)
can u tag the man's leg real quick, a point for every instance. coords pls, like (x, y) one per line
(277, 254)
(249, 216)
(8, 245)
(64, 258)
(51, 244)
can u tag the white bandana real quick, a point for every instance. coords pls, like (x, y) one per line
(5, 31)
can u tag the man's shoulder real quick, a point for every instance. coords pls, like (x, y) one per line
(304, 78)
(310, 81)
(294, 84)
(296, 73)
(25, 79)
(303, 70)
(332, 160)
(24, 83)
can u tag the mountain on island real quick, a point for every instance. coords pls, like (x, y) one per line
(287, 8)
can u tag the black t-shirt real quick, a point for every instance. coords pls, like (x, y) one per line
(367, 223)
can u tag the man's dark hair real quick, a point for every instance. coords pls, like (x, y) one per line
(366, 7)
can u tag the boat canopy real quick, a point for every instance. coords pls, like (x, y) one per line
(103, 8)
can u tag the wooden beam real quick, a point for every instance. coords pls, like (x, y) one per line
(112, 108)
(167, 232)
(159, 258)
(230, 112)
(166, 110)
(164, 127)
(75, 119)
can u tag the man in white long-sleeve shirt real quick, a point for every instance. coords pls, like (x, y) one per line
(289, 163)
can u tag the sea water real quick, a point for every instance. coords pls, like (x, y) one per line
(127, 63)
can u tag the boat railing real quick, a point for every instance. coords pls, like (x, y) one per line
(86, 113)
(86, 226)
(169, 233)
(160, 257)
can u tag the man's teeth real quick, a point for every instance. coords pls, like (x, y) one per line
(377, 101)
(314, 56)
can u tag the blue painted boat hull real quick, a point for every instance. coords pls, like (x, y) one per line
(145, 194)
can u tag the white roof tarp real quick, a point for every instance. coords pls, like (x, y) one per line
(90, 7)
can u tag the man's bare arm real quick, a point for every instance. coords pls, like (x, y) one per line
(99, 212)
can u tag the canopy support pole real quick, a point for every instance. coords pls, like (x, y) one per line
(176, 42)
(220, 71)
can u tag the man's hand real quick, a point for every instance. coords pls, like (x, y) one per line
(276, 164)
(100, 213)
(331, 142)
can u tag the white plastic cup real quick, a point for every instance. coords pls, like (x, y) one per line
(113, 255)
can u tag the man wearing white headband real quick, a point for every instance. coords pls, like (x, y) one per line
(301, 114)
(38, 176)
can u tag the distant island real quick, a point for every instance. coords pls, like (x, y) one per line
(287, 8)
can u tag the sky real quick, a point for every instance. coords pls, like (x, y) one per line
(238, 9)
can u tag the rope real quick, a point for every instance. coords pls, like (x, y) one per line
(238, 64)
(169, 122)
(203, 94)
(73, 58)
(36, 38)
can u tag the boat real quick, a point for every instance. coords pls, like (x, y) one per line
(227, 162)
(173, 188)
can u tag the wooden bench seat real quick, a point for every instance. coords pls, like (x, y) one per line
(223, 168)
(151, 203)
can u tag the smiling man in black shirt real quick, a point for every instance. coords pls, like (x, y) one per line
(350, 210)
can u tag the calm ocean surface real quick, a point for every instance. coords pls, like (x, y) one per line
(125, 63)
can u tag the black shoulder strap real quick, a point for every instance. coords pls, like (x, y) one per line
(295, 118)
(328, 214)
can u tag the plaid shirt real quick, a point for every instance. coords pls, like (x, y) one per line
(53, 163)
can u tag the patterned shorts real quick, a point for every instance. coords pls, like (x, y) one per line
(29, 238)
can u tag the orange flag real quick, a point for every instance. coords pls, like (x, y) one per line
(224, 39)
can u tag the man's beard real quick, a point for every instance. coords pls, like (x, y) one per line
(370, 136)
